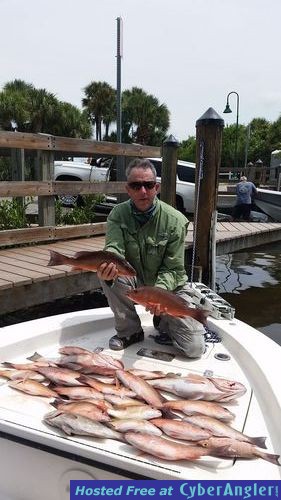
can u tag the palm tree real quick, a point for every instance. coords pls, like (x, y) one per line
(100, 105)
(145, 120)
(37, 110)
(69, 121)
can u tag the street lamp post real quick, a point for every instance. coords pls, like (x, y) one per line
(228, 110)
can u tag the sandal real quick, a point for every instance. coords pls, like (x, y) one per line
(117, 343)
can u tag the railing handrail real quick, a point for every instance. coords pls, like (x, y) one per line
(48, 142)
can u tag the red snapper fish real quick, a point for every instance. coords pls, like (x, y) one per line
(169, 302)
(90, 261)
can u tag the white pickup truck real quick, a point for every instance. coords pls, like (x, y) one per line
(104, 169)
(80, 169)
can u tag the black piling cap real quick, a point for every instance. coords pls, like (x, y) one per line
(210, 117)
(171, 141)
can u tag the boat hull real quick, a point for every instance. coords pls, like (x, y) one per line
(254, 361)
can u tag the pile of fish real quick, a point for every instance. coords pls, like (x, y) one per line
(94, 395)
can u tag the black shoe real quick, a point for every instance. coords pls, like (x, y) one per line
(163, 339)
(156, 322)
(117, 343)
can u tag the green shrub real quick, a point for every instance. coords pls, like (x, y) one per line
(12, 214)
(78, 215)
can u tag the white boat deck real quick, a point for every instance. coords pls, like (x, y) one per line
(258, 412)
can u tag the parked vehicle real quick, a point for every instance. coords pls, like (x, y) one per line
(104, 169)
(80, 169)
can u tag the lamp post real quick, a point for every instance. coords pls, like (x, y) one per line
(228, 110)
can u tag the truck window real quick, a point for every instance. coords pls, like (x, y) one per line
(186, 173)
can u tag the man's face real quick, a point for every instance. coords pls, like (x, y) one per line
(142, 188)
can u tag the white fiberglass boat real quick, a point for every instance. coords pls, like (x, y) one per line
(45, 459)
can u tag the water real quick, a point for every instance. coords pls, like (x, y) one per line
(251, 282)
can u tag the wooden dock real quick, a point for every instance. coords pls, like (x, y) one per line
(25, 279)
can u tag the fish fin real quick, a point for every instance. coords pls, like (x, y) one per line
(7, 364)
(56, 259)
(83, 253)
(172, 375)
(167, 413)
(258, 441)
(270, 457)
(67, 429)
(97, 350)
(35, 357)
(221, 451)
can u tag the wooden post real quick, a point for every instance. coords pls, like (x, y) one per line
(208, 157)
(169, 170)
(46, 204)
(17, 160)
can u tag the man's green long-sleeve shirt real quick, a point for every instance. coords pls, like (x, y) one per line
(156, 249)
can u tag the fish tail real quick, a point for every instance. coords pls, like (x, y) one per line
(258, 441)
(7, 364)
(270, 457)
(56, 259)
(83, 379)
(200, 315)
(34, 357)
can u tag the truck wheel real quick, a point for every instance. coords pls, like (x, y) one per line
(70, 200)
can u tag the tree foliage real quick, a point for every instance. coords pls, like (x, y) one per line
(144, 119)
(100, 106)
(28, 109)
(260, 138)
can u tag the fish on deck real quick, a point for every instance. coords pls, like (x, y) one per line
(90, 261)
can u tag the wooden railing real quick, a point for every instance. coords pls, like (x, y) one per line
(47, 189)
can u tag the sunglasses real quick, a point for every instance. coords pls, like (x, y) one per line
(136, 186)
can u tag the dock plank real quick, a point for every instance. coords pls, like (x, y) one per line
(24, 268)
(24, 264)
(22, 271)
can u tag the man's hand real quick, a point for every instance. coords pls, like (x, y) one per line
(107, 272)
(155, 309)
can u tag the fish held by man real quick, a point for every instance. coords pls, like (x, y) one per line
(90, 261)
(169, 302)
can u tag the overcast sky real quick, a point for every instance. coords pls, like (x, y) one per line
(188, 53)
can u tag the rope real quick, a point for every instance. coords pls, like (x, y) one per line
(195, 222)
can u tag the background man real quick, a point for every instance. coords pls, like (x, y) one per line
(245, 191)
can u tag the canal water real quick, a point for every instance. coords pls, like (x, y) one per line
(251, 282)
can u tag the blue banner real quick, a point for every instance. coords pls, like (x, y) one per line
(179, 490)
